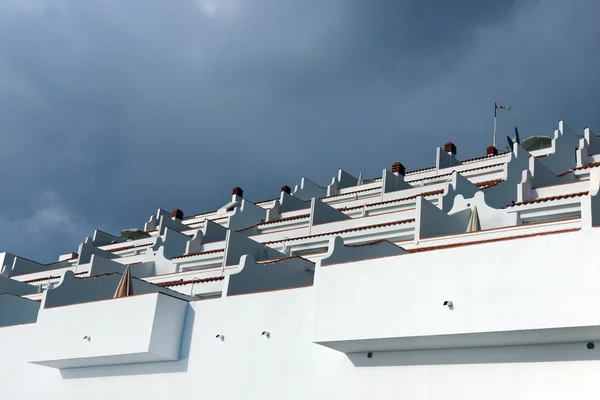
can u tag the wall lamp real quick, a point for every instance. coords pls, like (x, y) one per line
(449, 304)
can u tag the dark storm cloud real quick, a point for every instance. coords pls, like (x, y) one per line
(110, 109)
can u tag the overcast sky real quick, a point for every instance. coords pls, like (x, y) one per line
(110, 109)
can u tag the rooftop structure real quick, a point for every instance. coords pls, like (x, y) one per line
(468, 279)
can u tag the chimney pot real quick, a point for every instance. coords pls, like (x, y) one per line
(491, 151)
(398, 168)
(237, 191)
(286, 188)
(177, 214)
(450, 148)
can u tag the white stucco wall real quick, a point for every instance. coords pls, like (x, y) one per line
(115, 331)
(288, 365)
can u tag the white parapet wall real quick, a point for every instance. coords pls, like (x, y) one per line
(497, 294)
(136, 329)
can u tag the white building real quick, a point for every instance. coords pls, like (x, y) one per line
(472, 279)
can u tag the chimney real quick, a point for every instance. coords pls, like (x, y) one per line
(398, 169)
(177, 214)
(286, 188)
(237, 194)
(491, 151)
(450, 148)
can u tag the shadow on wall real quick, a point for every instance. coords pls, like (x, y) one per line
(165, 367)
(493, 355)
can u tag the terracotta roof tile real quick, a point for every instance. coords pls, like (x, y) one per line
(462, 161)
(274, 260)
(585, 166)
(204, 213)
(275, 221)
(359, 228)
(485, 157)
(488, 184)
(414, 171)
(196, 223)
(266, 201)
(201, 253)
(214, 211)
(48, 278)
(128, 247)
(460, 172)
(374, 242)
(551, 198)
(345, 194)
(424, 194)
(181, 282)
(453, 245)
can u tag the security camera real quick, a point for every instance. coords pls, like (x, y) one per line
(88, 338)
(219, 336)
(449, 304)
(267, 334)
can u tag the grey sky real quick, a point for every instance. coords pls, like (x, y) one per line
(110, 109)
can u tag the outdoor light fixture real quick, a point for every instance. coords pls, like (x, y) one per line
(449, 304)
(219, 336)
(267, 334)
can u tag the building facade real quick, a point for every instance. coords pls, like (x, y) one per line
(470, 279)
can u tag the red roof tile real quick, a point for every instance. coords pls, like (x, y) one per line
(462, 161)
(374, 242)
(200, 253)
(484, 157)
(48, 278)
(453, 245)
(345, 194)
(359, 228)
(585, 166)
(274, 260)
(414, 171)
(275, 221)
(424, 194)
(266, 201)
(460, 172)
(181, 282)
(128, 247)
(488, 184)
(551, 198)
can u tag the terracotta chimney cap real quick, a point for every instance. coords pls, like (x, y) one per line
(491, 151)
(398, 168)
(238, 191)
(286, 188)
(177, 214)
(450, 148)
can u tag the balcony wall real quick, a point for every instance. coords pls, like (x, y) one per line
(135, 329)
(15, 310)
(513, 292)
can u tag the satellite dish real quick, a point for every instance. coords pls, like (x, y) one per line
(510, 142)
(537, 143)
(517, 139)
(134, 234)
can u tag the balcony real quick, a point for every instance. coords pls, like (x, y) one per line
(136, 329)
(519, 292)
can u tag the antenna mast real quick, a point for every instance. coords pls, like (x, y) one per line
(495, 115)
